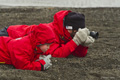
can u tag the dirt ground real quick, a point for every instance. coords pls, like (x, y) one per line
(103, 58)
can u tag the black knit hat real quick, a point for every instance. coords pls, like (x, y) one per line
(76, 20)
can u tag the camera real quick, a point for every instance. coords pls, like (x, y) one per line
(94, 34)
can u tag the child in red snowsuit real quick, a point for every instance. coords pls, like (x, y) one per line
(22, 52)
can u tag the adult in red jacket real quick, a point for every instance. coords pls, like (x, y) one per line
(21, 52)
(65, 24)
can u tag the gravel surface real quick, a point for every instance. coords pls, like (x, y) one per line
(102, 61)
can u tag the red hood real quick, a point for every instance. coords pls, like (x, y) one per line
(41, 34)
(58, 20)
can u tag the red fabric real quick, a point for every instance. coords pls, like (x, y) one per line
(21, 52)
(64, 46)
(16, 31)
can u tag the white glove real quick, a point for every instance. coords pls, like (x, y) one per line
(89, 41)
(47, 61)
(81, 36)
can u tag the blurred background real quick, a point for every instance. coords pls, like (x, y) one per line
(61, 3)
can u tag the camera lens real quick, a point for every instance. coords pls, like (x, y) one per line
(94, 34)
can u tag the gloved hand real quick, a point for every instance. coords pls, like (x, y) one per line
(89, 41)
(47, 61)
(81, 36)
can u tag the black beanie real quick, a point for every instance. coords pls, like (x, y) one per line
(76, 20)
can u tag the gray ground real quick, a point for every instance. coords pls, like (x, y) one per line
(102, 61)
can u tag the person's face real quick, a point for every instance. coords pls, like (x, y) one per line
(72, 32)
(44, 47)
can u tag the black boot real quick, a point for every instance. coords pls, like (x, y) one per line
(3, 32)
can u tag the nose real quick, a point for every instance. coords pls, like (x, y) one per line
(48, 47)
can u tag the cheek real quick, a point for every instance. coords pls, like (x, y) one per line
(70, 31)
(73, 34)
(44, 48)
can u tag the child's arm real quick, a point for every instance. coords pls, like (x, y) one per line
(22, 60)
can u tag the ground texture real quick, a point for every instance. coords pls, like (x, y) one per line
(102, 61)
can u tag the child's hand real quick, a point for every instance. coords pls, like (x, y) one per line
(47, 61)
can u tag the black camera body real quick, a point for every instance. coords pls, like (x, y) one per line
(94, 34)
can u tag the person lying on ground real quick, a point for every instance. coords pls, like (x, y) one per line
(22, 52)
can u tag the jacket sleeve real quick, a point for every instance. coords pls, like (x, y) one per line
(21, 59)
(66, 49)
(80, 51)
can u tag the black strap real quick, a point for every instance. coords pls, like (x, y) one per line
(42, 67)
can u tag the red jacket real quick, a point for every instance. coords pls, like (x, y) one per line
(21, 52)
(64, 45)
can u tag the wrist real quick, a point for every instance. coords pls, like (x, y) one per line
(74, 44)
(42, 63)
